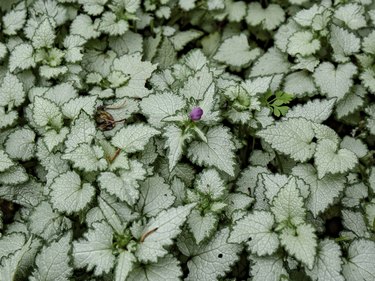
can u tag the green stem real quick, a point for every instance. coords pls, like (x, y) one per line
(271, 101)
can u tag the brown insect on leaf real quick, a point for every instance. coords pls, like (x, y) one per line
(104, 119)
(145, 235)
(112, 158)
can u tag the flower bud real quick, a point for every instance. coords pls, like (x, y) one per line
(196, 113)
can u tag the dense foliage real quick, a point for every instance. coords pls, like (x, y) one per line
(187, 140)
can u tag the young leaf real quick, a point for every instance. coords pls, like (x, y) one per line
(293, 137)
(360, 265)
(167, 225)
(278, 99)
(69, 194)
(94, 251)
(133, 137)
(256, 230)
(52, 263)
(301, 243)
(327, 265)
(330, 159)
(155, 196)
(218, 151)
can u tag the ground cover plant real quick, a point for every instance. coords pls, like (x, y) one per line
(187, 140)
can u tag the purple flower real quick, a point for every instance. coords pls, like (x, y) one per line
(196, 113)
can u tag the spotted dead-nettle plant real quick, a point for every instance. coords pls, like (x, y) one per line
(187, 140)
